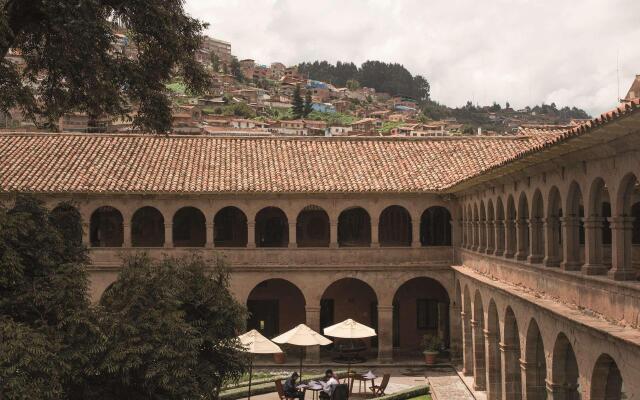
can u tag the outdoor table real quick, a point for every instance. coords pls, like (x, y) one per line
(369, 376)
(315, 388)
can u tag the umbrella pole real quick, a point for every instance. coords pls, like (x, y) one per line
(301, 350)
(250, 373)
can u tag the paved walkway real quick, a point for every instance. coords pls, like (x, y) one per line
(448, 386)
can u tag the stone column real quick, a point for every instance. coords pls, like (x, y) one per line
(509, 240)
(491, 237)
(375, 242)
(465, 234)
(86, 234)
(570, 244)
(621, 266)
(511, 374)
(313, 322)
(556, 391)
(210, 236)
(535, 241)
(498, 227)
(523, 378)
(475, 243)
(593, 246)
(482, 248)
(385, 334)
(168, 235)
(293, 242)
(521, 227)
(493, 377)
(415, 232)
(551, 242)
(126, 227)
(251, 235)
(467, 344)
(333, 234)
(479, 371)
(455, 332)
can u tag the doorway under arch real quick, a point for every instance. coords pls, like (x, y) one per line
(275, 306)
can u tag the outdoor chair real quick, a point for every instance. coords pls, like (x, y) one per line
(378, 390)
(340, 392)
(280, 390)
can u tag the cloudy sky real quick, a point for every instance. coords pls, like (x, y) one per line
(521, 51)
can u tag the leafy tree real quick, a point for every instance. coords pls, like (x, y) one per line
(353, 84)
(240, 109)
(171, 328)
(47, 330)
(308, 104)
(297, 108)
(215, 62)
(72, 62)
(235, 69)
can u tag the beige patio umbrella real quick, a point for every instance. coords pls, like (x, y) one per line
(255, 343)
(349, 329)
(302, 336)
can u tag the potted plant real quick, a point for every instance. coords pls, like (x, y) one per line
(431, 345)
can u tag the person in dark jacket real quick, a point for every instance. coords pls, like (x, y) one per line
(290, 389)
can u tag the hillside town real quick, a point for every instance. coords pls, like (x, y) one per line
(248, 98)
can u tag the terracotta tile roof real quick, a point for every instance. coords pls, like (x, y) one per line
(79, 163)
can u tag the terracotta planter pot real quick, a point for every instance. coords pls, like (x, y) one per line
(279, 358)
(430, 357)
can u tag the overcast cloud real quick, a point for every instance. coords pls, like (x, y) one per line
(521, 51)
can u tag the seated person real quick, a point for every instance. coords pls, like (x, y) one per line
(290, 390)
(329, 384)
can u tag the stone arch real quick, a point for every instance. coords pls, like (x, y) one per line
(189, 228)
(500, 227)
(275, 306)
(553, 229)
(476, 227)
(469, 227)
(67, 219)
(272, 228)
(522, 228)
(420, 306)
(564, 370)
(597, 229)
(535, 364)
(622, 243)
(312, 227)
(536, 233)
(230, 227)
(467, 334)
(394, 227)
(510, 228)
(350, 298)
(573, 229)
(435, 227)
(354, 228)
(494, 367)
(147, 227)
(479, 354)
(482, 216)
(106, 227)
(491, 224)
(512, 354)
(606, 381)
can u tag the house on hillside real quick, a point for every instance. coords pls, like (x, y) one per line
(365, 125)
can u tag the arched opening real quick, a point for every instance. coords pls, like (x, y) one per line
(272, 228)
(467, 334)
(395, 227)
(476, 228)
(67, 220)
(491, 232)
(275, 306)
(522, 227)
(606, 382)
(350, 298)
(483, 228)
(469, 227)
(510, 229)
(435, 227)
(553, 257)
(420, 307)
(622, 259)
(230, 228)
(536, 366)
(312, 227)
(573, 230)
(565, 370)
(500, 228)
(512, 354)
(597, 230)
(189, 228)
(536, 233)
(106, 228)
(354, 228)
(147, 228)
(479, 360)
(494, 371)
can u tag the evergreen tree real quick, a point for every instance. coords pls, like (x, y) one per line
(297, 108)
(307, 104)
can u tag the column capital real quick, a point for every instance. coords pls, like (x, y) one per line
(498, 222)
(534, 221)
(489, 334)
(569, 221)
(312, 309)
(474, 323)
(592, 222)
(624, 223)
(385, 308)
(508, 348)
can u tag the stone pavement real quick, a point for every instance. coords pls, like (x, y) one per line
(448, 386)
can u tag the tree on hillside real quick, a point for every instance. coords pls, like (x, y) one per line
(73, 62)
(235, 70)
(297, 108)
(308, 104)
(353, 84)
(48, 334)
(215, 62)
(171, 328)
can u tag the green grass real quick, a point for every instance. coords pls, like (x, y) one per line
(177, 87)
(423, 397)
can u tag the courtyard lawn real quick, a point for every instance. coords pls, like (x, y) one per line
(423, 397)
